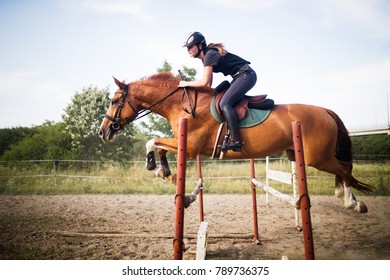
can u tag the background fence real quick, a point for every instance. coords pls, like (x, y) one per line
(127, 177)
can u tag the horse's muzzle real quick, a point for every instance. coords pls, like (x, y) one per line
(102, 135)
(107, 135)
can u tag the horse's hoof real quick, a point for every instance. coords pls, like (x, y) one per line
(162, 172)
(150, 161)
(339, 192)
(167, 171)
(360, 207)
(172, 179)
(158, 171)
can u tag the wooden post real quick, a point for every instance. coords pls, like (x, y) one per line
(304, 198)
(180, 190)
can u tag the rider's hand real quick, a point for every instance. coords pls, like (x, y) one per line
(182, 84)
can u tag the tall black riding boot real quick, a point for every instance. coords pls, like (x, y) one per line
(231, 118)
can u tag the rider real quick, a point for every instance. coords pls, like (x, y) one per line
(216, 59)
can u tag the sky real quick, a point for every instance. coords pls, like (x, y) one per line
(329, 53)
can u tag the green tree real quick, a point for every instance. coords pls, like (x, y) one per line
(188, 73)
(166, 67)
(82, 121)
(49, 142)
(11, 136)
(371, 147)
(156, 126)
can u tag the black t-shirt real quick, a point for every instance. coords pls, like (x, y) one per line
(228, 64)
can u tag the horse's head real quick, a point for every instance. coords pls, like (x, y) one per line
(121, 112)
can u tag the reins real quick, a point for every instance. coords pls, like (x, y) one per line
(192, 108)
(144, 112)
(116, 124)
(147, 111)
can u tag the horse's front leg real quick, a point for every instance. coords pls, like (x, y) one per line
(150, 158)
(164, 162)
(163, 146)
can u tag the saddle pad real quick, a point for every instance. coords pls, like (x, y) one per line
(252, 118)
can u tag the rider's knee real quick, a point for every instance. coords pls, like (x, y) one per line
(226, 107)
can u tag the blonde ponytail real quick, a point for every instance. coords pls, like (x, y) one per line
(219, 47)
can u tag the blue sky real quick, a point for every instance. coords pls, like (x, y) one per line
(330, 53)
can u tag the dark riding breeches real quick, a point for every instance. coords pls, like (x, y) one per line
(238, 88)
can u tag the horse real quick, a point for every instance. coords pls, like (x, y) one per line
(326, 142)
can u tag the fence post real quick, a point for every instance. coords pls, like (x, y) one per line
(180, 190)
(304, 198)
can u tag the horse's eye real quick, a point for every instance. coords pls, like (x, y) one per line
(113, 102)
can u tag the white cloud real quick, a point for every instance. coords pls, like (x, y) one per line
(242, 4)
(134, 8)
(369, 15)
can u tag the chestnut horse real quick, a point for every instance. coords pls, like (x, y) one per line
(327, 146)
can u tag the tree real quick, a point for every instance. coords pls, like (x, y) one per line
(11, 136)
(156, 126)
(82, 121)
(166, 67)
(189, 73)
(49, 142)
(371, 147)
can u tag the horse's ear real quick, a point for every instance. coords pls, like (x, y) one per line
(118, 83)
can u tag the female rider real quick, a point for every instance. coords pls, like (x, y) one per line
(216, 59)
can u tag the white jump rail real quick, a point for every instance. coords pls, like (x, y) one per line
(303, 203)
(201, 244)
(283, 177)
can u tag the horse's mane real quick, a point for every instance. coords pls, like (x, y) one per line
(170, 78)
(162, 76)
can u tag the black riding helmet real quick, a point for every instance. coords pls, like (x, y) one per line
(195, 38)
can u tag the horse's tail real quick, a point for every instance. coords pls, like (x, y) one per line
(344, 153)
(344, 144)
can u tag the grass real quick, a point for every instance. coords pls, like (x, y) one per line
(227, 177)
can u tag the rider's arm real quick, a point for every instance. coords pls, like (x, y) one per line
(206, 80)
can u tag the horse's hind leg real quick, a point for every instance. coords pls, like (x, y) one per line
(344, 191)
(344, 188)
(343, 185)
(343, 182)
(339, 187)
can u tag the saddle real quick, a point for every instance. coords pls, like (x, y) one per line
(251, 110)
(242, 107)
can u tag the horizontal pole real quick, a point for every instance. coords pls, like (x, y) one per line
(275, 193)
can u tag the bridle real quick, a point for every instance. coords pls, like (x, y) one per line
(117, 124)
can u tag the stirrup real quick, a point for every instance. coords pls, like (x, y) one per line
(234, 145)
